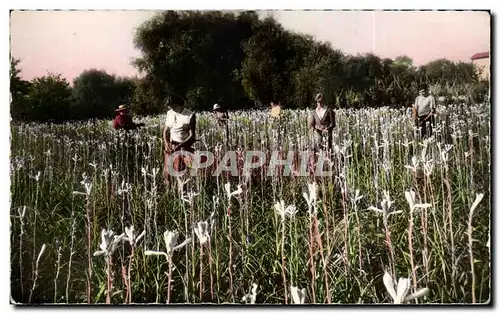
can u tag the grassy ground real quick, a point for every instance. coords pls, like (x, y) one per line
(336, 248)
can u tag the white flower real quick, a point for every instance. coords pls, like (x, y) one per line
(109, 242)
(402, 288)
(229, 194)
(414, 164)
(155, 253)
(357, 197)
(291, 210)
(410, 198)
(406, 144)
(298, 296)
(311, 198)
(444, 157)
(386, 204)
(201, 231)
(215, 200)
(130, 236)
(87, 184)
(189, 197)
(251, 297)
(428, 167)
(125, 188)
(170, 238)
(283, 211)
(40, 254)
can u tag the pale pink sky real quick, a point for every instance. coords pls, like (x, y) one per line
(69, 42)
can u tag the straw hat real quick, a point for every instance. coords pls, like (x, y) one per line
(217, 107)
(121, 108)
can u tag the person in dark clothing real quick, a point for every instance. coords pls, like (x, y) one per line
(322, 121)
(126, 155)
(221, 114)
(222, 117)
(123, 120)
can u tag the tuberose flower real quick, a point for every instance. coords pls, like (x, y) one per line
(298, 295)
(401, 293)
(311, 198)
(283, 211)
(410, 198)
(130, 236)
(230, 194)
(109, 242)
(170, 238)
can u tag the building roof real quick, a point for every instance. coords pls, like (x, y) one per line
(480, 55)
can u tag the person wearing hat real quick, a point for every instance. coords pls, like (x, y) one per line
(179, 131)
(321, 121)
(221, 114)
(222, 118)
(123, 120)
(423, 109)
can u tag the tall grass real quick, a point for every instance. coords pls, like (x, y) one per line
(337, 251)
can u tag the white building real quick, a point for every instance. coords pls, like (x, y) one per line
(482, 61)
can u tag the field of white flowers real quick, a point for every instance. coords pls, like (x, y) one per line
(401, 220)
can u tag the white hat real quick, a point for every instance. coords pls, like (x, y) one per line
(217, 106)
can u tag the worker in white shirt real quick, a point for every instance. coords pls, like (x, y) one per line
(179, 132)
(322, 121)
(424, 107)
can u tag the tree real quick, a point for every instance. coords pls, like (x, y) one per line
(264, 72)
(195, 54)
(49, 99)
(19, 90)
(143, 100)
(96, 94)
(124, 88)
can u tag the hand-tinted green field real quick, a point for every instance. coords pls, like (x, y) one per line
(395, 205)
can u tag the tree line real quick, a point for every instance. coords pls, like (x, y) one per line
(243, 62)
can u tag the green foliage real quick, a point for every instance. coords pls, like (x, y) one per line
(143, 100)
(195, 54)
(19, 90)
(96, 94)
(49, 99)
(243, 62)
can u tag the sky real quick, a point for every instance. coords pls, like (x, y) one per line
(69, 42)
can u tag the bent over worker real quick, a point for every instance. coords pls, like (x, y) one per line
(123, 120)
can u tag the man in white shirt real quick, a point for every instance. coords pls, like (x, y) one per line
(179, 131)
(424, 107)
